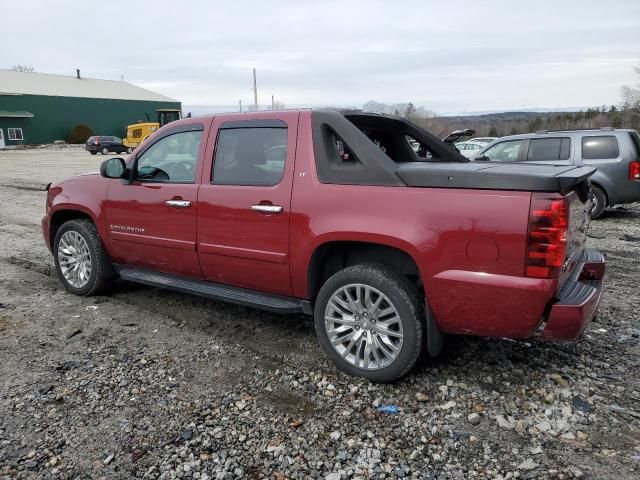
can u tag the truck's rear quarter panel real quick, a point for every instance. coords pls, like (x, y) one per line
(469, 245)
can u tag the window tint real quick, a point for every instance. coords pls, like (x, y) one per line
(599, 147)
(549, 149)
(508, 151)
(250, 156)
(171, 159)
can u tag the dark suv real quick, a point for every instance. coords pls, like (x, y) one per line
(106, 144)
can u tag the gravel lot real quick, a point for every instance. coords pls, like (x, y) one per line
(152, 384)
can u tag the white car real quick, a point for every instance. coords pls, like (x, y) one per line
(471, 148)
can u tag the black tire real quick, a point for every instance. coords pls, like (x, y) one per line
(405, 298)
(93, 153)
(599, 199)
(129, 150)
(102, 274)
(104, 151)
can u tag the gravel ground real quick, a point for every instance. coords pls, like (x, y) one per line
(152, 384)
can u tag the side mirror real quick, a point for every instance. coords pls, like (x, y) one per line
(482, 158)
(113, 168)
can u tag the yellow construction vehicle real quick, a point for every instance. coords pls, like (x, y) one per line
(138, 132)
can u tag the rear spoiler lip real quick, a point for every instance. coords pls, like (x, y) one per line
(574, 176)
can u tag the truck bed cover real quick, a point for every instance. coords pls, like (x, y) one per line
(493, 176)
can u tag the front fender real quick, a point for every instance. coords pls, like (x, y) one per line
(84, 194)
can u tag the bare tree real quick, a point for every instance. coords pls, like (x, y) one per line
(631, 105)
(631, 95)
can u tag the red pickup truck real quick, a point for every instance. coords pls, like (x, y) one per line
(385, 234)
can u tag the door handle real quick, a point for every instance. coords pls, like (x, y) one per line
(178, 203)
(267, 208)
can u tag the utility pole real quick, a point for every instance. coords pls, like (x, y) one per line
(255, 90)
(240, 105)
(272, 103)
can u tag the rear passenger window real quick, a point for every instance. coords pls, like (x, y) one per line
(417, 147)
(250, 156)
(600, 147)
(549, 149)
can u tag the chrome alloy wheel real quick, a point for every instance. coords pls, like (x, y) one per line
(74, 259)
(363, 326)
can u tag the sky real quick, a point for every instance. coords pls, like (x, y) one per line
(450, 57)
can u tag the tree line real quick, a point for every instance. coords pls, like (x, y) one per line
(626, 114)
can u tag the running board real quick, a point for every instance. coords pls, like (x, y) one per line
(215, 291)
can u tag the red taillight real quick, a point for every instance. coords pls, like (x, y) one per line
(634, 170)
(547, 242)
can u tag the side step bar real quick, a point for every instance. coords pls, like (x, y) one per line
(215, 291)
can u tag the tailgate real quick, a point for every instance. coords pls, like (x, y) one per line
(579, 198)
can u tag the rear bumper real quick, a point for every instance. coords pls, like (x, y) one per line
(624, 192)
(578, 299)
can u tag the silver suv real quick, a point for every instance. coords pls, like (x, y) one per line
(615, 153)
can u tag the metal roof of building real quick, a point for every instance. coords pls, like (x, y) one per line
(21, 83)
(15, 114)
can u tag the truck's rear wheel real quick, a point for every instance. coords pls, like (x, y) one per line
(369, 322)
(82, 264)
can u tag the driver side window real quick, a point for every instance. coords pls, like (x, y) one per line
(171, 159)
(508, 151)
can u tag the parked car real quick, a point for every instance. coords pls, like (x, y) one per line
(106, 145)
(335, 215)
(469, 148)
(614, 152)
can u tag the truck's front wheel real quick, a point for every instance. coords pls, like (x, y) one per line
(368, 319)
(82, 264)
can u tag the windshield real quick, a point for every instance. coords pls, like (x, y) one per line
(167, 116)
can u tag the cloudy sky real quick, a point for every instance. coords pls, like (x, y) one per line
(450, 57)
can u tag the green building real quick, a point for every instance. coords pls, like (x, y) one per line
(40, 108)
